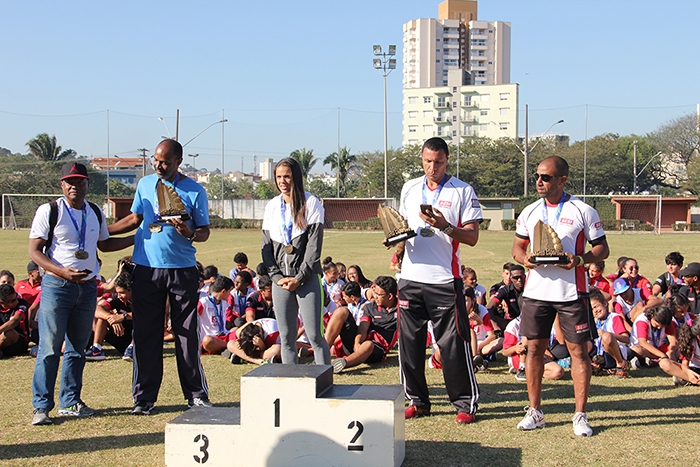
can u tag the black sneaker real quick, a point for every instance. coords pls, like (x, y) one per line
(142, 408)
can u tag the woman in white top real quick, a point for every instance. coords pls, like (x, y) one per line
(291, 250)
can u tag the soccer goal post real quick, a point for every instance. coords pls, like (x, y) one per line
(18, 209)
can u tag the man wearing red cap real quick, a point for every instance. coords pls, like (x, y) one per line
(66, 247)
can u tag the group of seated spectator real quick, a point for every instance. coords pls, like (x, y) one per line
(639, 324)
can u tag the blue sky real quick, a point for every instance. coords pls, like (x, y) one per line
(280, 70)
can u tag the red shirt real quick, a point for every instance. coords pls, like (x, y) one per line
(28, 291)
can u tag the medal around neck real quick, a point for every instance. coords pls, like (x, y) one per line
(426, 232)
(81, 254)
(394, 225)
(289, 249)
(547, 246)
(170, 204)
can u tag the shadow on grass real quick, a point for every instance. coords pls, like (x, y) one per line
(448, 454)
(79, 445)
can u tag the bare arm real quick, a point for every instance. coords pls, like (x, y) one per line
(115, 243)
(126, 224)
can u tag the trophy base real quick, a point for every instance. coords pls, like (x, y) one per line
(391, 241)
(184, 217)
(561, 259)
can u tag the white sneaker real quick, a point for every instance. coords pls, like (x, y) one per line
(339, 365)
(581, 427)
(533, 419)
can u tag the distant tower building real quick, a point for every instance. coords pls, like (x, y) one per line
(455, 40)
(456, 77)
(267, 169)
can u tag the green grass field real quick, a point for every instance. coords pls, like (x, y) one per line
(640, 421)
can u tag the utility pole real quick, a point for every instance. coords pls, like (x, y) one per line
(143, 157)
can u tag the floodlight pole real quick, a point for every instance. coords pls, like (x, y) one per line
(385, 65)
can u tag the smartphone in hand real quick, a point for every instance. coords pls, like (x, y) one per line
(426, 209)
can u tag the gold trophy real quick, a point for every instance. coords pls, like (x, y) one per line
(170, 204)
(395, 226)
(547, 246)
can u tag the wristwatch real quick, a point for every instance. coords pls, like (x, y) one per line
(448, 230)
(192, 237)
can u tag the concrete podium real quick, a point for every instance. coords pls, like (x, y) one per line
(293, 415)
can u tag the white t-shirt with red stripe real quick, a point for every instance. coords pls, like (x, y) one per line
(435, 260)
(578, 223)
(482, 329)
(695, 358)
(271, 333)
(642, 328)
(212, 316)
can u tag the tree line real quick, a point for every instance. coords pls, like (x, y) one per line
(668, 163)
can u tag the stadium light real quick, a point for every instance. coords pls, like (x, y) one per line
(386, 64)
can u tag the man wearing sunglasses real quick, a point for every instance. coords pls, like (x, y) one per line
(560, 289)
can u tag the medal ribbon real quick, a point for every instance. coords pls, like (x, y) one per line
(241, 303)
(436, 195)
(218, 314)
(81, 229)
(286, 228)
(557, 214)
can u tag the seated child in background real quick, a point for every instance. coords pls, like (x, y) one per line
(598, 280)
(515, 348)
(679, 305)
(259, 304)
(653, 336)
(341, 326)
(671, 278)
(238, 299)
(377, 332)
(241, 260)
(257, 342)
(209, 275)
(611, 344)
(626, 299)
(688, 371)
(260, 270)
(470, 280)
(14, 329)
(212, 310)
(113, 322)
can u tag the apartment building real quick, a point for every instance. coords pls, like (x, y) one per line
(456, 111)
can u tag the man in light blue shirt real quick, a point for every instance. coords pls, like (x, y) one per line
(166, 271)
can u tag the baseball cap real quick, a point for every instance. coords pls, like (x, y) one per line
(691, 269)
(31, 266)
(73, 169)
(620, 285)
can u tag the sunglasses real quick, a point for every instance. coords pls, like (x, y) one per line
(545, 177)
(517, 278)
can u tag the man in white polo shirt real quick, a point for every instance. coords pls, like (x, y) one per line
(445, 212)
(558, 289)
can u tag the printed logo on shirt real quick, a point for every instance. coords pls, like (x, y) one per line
(598, 225)
(566, 221)
(403, 303)
(444, 203)
(581, 328)
(475, 203)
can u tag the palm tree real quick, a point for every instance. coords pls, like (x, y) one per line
(342, 162)
(43, 147)
(305, 159)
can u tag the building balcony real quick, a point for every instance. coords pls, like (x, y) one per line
(442, 120)
(478, 46)
(441, 105)
(478, 36)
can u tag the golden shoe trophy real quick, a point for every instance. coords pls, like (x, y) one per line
(547, 246)
(395, 226)
(170, 204)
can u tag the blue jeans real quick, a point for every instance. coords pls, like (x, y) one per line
(66, 311)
